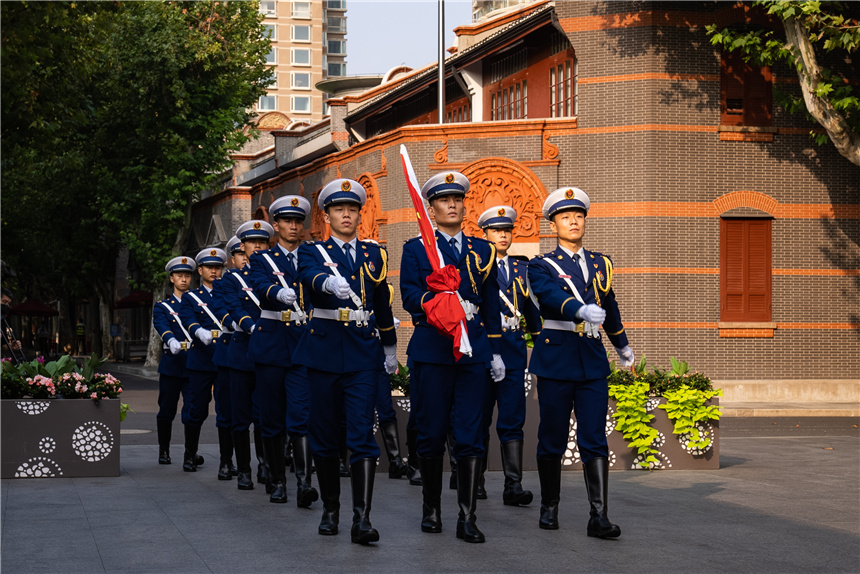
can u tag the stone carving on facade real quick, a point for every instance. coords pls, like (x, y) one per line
(500, 181)
(549, 151)
(368, 228)
(273, 121)
(320, 230)
(441, 154)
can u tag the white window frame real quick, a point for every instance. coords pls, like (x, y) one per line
(295, 110)
(274, 107)
(302, 40)
(274, 53)
(340, 29)
(341, 65)
(274, 84)
(293, 84)
(299, 16)
(274, 29)
(274, 11)
(294, 51)
(342, 6)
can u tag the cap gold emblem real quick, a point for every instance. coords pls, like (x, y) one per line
(449, 178)
(257, 225)
(501, 212)
(294, 202)
(184, 260)
(345, 186)
(568, 194)
(213, 253)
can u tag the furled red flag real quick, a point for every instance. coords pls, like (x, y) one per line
(445, 310)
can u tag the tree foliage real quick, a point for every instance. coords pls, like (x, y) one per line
(115, 117)
(819, 40)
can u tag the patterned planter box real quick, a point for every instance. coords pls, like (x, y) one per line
(59, 438)
(672, 454)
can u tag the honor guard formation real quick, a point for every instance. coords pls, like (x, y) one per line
(299, 339)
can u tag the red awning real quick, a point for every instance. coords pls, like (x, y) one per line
(134, 299)
(33, 309)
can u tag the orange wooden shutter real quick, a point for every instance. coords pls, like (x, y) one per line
(745, 270)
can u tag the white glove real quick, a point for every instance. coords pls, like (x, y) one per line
(396, 322)
(174, 346)
(287, 296)
(497, 368)
(390, 359)
(337, 286)
(235, 326)
(591, 313)
(626, 355)
(254, 326)
(205, 335)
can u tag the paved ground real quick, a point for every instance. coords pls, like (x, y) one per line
(786, 499)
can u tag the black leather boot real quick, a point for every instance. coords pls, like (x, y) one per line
(226, 470)
(363, 474)
(242, 446)
(452, 462)
(549, 471)
(391, 439)
(413, 470)
(481, 492)
(288, 456)
(343, 469)
(192, 438)
(596, 473)
(431, 475)
(512, 466)
(306, 494)
(262, 467)
(468, 470)
(328, 476)
(274, 448)
(165, 431)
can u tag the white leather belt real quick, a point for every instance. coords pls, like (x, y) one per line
(286, 316)
(511, 323)
(593, 331)
(342, 315)
(470, 309)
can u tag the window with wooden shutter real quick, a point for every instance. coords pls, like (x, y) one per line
(746, 95)
(745, 270)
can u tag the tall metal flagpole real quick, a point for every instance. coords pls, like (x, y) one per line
(441, 78)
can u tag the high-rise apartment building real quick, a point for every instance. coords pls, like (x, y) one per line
(308, 45)
(485, 9)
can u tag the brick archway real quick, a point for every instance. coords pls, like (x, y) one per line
(501, 181)
(753, 199)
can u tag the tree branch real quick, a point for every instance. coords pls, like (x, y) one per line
(847, 141)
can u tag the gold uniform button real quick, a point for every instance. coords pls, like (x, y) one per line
(546, 341)
(580, 334)
(312, 330)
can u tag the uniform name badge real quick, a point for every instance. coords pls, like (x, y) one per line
(330, 264)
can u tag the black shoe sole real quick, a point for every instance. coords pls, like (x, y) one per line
(521, 501)
(366, 538)
(545, 526)
(227, 477)
(189, 468)
(278, 500)
(305, 499)
(605, 536)
(249, 487)
(327, 532)
(163, 462)
(470, 540)
(431, 529)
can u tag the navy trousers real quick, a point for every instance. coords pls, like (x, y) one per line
(284, 400)
(384, 406)
(510, 396)
(201, 394)
(169, 389)
(333, 396)
(223, 412)
(589, 401)
(242, 386)
(445, 395)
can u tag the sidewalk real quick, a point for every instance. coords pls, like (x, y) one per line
(778, 504)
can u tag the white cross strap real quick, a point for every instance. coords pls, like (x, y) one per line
(178, 321)
(300, 315)
(247, 289)
(205, 308)
(333, 266)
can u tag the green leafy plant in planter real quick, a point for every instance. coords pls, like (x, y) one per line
(685, 393)
(60, 379)
(400, 379)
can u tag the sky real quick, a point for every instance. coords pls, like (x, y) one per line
(381, 35)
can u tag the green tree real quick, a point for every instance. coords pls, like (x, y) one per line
(812, 33)
(116, 116)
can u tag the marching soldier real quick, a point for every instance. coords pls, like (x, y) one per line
(172, 376)
(346, 280)
(242, 308)
(498, 225)
(441, 382)
(281, 384)
(221, 391)
(573, 288)
(200, 321)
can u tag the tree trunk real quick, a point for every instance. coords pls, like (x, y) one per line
(153, 350)
(847, 141)
(105, 313)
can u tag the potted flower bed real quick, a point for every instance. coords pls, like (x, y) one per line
(59, 420)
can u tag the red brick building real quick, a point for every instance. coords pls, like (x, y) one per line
(735, 237)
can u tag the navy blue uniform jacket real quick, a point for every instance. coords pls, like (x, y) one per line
(273, 342)
(242, 310)
(194, 317)
(167, 327)
(514, 348)
(478, 284)
(568, 355)
(222, 345)
(333, 346)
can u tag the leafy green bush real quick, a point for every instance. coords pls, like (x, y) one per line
(400, 379)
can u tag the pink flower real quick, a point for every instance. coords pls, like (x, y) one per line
(94, 396)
